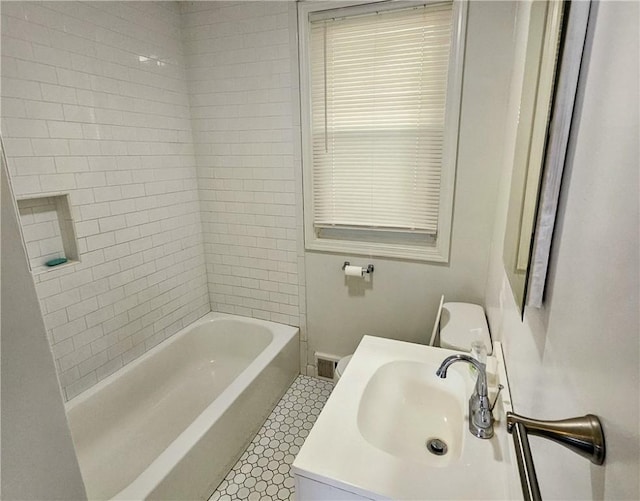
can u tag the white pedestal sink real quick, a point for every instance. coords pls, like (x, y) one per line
(370, 440)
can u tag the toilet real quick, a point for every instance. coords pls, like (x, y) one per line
(341, 366)
(457, 326)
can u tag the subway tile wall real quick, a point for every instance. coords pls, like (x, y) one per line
(95, 104)
(243, 84)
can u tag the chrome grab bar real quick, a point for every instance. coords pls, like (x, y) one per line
(583, 435)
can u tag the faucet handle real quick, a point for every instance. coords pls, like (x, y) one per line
(495, 400)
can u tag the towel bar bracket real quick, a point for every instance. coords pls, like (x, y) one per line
(583, 435)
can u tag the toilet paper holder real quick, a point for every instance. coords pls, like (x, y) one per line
(368, 269)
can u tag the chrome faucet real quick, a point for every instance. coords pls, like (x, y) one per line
(480, 417)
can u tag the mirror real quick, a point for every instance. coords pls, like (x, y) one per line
(539, 75)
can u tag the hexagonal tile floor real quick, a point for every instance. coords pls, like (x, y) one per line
(263, 471)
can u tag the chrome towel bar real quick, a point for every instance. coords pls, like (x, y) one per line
(526, 468)
(583, 435)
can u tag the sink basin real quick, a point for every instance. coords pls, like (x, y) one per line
(369, 441)
(404, 405)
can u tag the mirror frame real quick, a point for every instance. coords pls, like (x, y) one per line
(535, 190)
(543, 38)
(574, 37)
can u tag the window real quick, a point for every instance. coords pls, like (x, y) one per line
(380, 97)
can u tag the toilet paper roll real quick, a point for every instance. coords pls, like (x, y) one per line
(354, 271)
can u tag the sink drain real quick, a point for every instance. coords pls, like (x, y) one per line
(437, 446)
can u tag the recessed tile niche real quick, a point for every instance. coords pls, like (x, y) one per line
(48, 229)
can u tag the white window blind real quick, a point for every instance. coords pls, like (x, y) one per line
(378, 96)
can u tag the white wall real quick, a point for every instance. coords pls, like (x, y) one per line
(580, 353)
(402, 298)
(243, 82)
(94, 103)
(37, 455)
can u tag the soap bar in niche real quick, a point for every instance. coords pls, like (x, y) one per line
(56, 261)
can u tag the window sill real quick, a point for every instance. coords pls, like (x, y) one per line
(431, 253)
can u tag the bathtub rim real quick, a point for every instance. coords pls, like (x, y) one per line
(209, 317)
(161, 466)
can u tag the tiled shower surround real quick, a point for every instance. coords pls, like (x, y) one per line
(169, 124)
(240, 86)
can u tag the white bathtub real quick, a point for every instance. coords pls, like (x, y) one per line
(171, 424)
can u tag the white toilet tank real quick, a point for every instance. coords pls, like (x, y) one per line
(460, 324)
(463, 323)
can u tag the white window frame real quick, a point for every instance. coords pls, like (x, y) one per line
(438, 249)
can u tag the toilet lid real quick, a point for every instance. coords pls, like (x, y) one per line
(342, 364)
